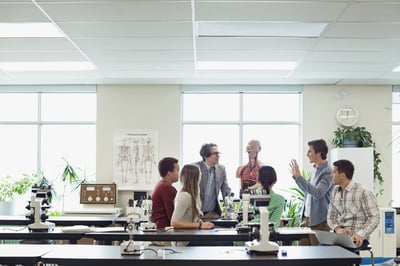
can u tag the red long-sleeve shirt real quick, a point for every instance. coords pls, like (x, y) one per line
(163, 197)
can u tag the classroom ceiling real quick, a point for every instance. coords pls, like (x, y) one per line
(153, 41)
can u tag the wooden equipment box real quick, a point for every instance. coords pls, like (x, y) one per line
(98, 194)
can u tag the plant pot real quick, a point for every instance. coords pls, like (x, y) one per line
(350, 143)
(14, 207)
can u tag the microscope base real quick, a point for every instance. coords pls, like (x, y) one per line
(148, 227)
(243, 229)
(41, 227)
(262, 247)
(130, 248)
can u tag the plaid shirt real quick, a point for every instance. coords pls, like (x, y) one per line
(357, 210)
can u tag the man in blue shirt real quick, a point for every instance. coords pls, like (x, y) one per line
(317, 189)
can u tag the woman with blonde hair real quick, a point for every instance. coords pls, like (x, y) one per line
(187, 202)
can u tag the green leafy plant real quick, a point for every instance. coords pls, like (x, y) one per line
(11, 187)
(292, 211)
(293, 208)
(43, 181)
(71, 180)
(364, 139)
(360, 135)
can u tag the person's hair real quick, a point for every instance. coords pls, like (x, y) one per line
(346, 167)
(190, 177)
(267, 177)
(166, 165)
(205, 150)
(319, 146)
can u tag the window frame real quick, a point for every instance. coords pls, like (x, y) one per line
(241, 123)
(38, 123)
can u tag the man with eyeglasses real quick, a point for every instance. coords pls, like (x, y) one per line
(213, 180)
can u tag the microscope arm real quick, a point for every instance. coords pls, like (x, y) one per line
(263, 245)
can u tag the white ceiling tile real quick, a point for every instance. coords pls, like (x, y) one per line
(372, 12)
(336, 75)
(343, 44)
(343, 67)
(268, 10)
(126, 29)
(209, 43)
(353, 56)
(118, 11)
(20, 12)
(249, 55)
(151, 41)
(375, 30)
(144, 56)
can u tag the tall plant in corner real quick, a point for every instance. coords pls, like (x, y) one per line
(71, 180)
(364, 139)
(294, 206)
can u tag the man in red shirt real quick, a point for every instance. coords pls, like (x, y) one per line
(164, 193)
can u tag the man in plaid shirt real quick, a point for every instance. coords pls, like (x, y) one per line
(353, 210)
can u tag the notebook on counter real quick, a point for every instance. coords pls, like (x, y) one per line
(334, 239)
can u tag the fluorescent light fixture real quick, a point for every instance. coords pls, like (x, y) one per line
(397, 69)
(260, 29)
(228, 65)
(34, 29)
(47, 66)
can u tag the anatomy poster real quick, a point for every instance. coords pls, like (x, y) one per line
(136, 158)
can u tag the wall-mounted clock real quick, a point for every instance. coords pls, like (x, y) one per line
(347, 116)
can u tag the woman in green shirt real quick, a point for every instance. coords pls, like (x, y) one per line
(267, 178)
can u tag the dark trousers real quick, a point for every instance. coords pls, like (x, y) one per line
(312, 240)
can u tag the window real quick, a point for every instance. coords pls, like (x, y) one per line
(231, 118)
(40, 127)
(396, 146)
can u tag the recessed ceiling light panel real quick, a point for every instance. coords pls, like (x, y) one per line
(231, 65)
(47, 66)
(397, 69)
(26, 30)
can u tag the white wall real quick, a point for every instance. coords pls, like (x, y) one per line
(374, 105)
(140, 107)
(158, 107)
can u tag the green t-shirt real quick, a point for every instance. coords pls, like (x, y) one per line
(275, 207)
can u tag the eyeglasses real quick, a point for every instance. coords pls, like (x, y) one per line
(216, 153)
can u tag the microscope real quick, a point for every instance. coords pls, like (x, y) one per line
(263, 245)
(37, 206)
(130, 247)
(143, 208)
(244, 225)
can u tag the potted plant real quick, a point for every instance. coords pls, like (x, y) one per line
(363, 138)
(71, 180)
(292, 212)
(10, 191)
(352, 137)
(291, 216)
(11, 187)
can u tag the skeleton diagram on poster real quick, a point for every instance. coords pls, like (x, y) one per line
(135, 159)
